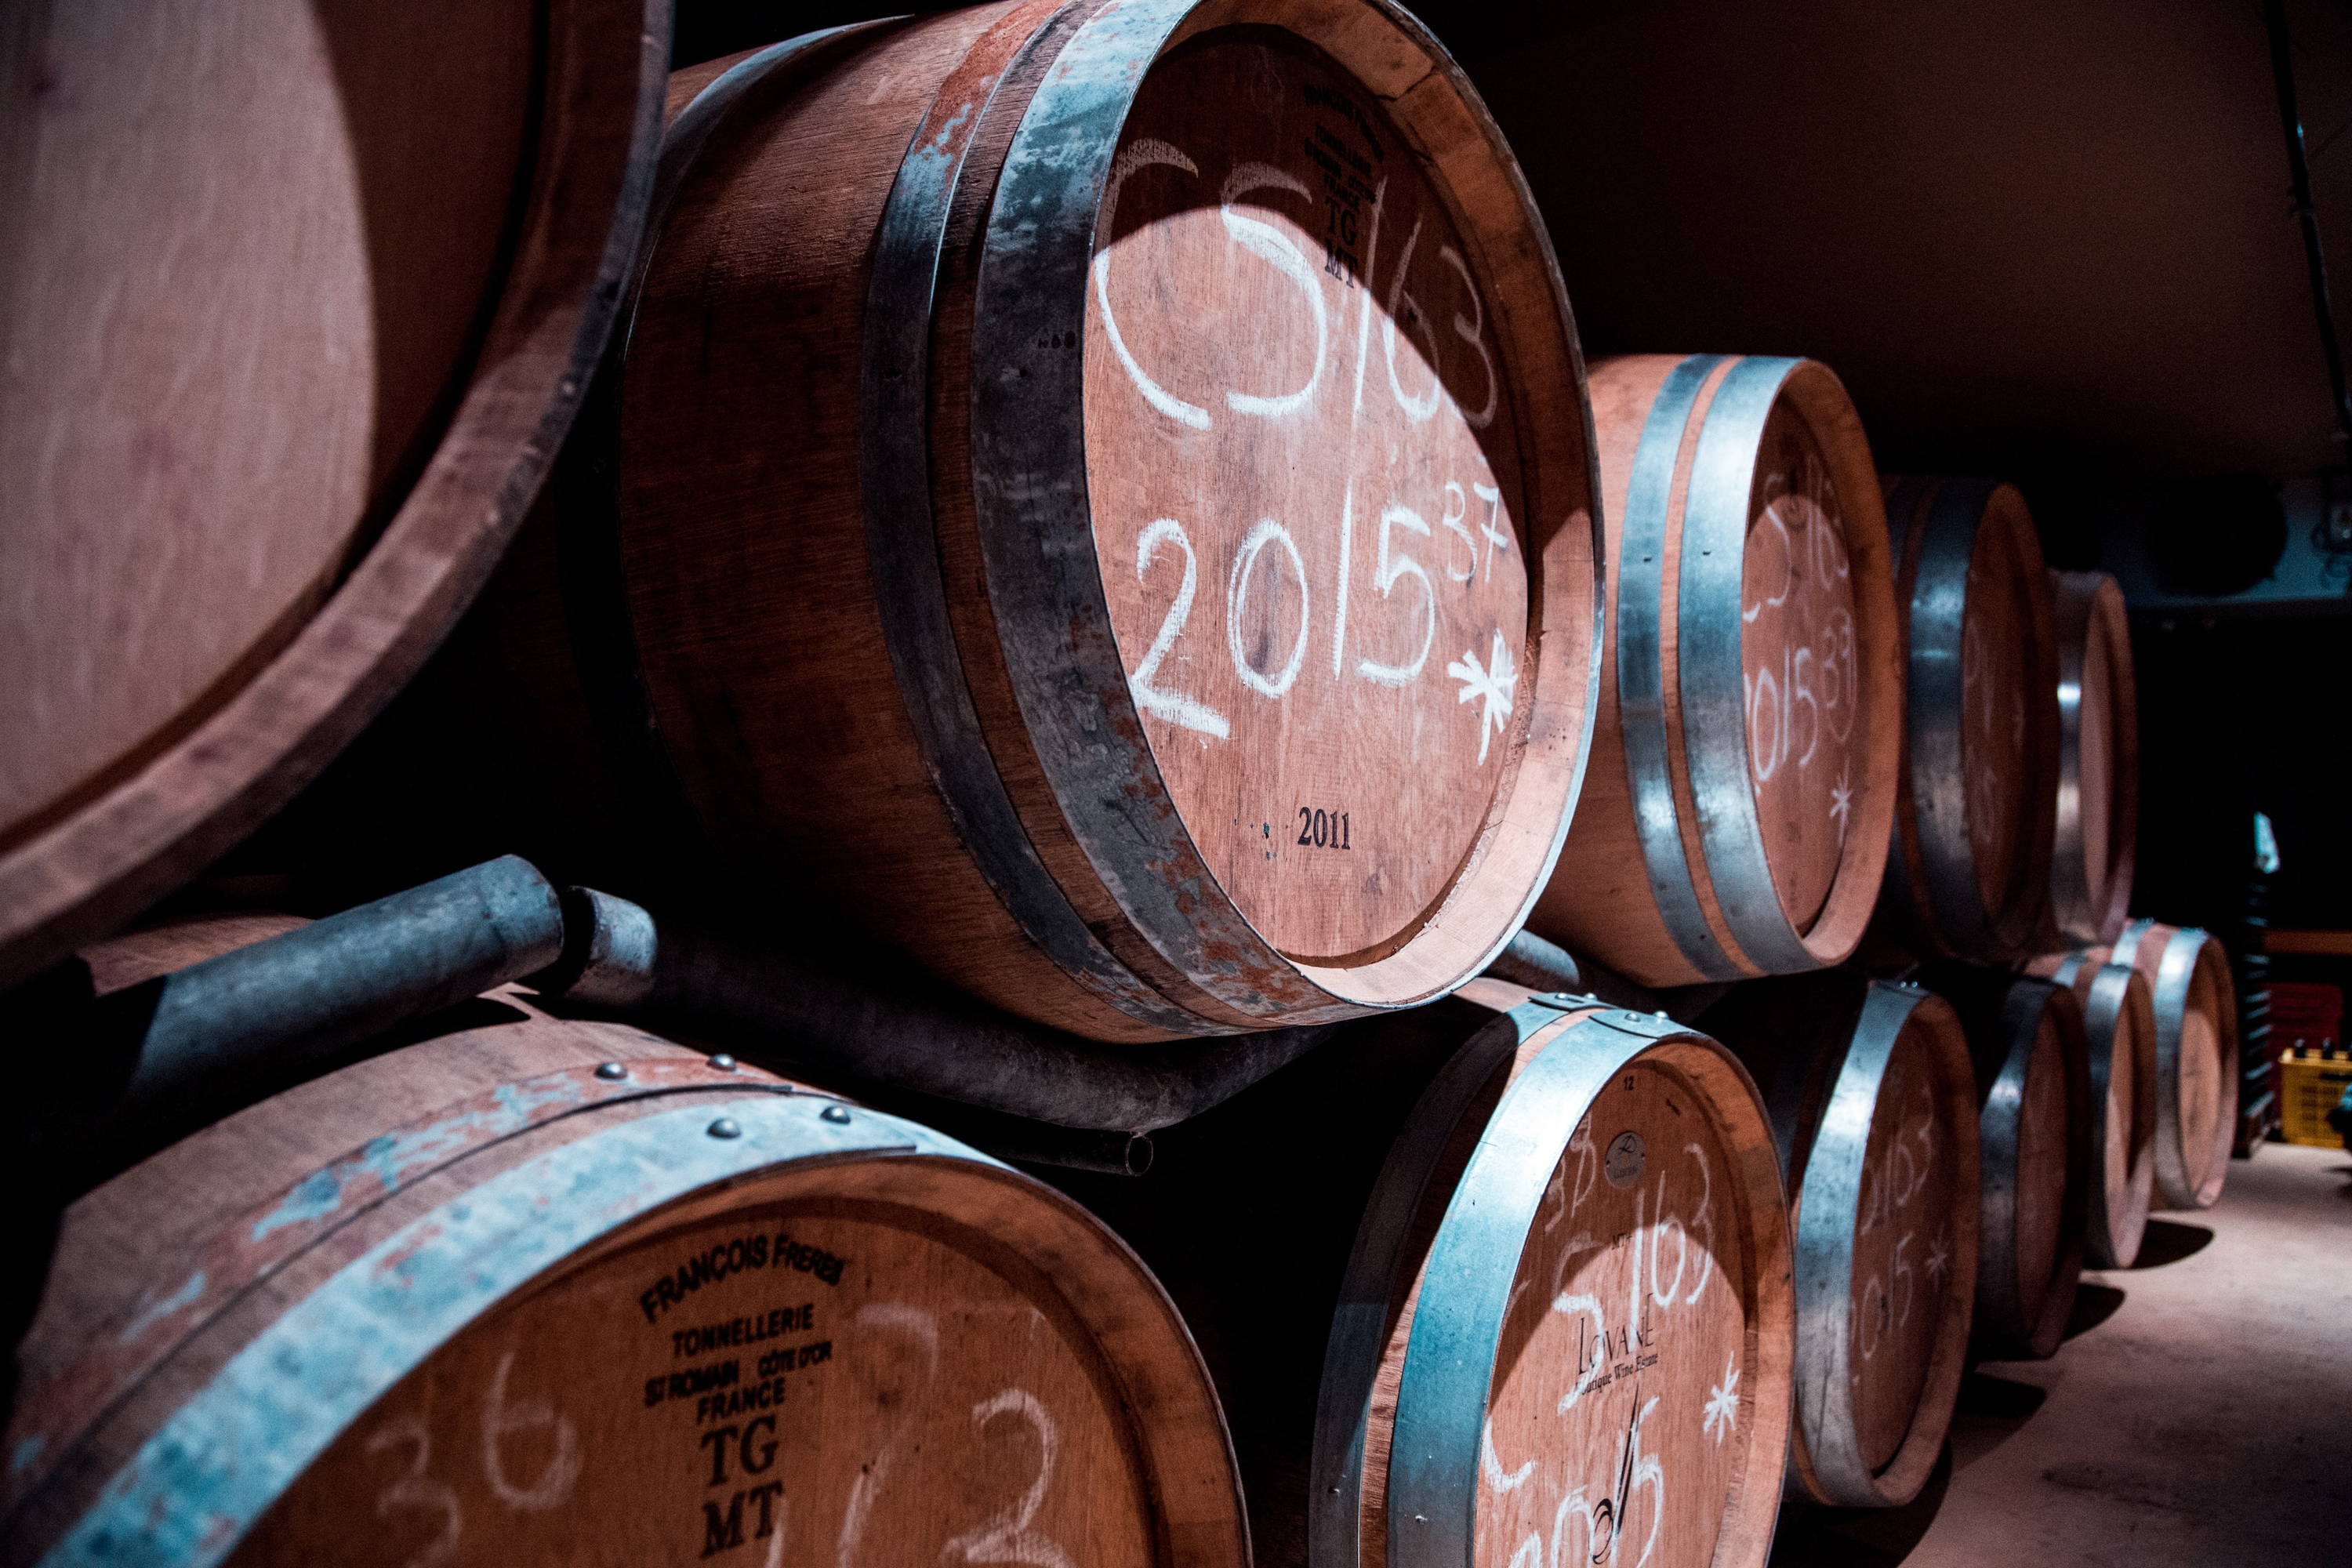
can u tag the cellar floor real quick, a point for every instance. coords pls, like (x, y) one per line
(2199, 1413)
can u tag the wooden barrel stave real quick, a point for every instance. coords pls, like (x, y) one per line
(1872, 1098)
(1691, 859)
(2119, 1022)
(468, 1301)
(2097, 829)
(395, 333)
(1044, 837)
(1455, 1144)
(2195, 1003)
(1968, 876)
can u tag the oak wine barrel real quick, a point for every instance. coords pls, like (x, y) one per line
(2196, 1006)
(1735, 816)
(301, 303)
(1969, 873)
(2034, 1123)
(1872, 1096)
(1104, 502)
(1503, 1279)
(539, 1290)
(2098, 832)
(2119, 1022)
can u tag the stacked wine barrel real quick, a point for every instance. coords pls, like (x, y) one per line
(1969, 873)
(1874, 1105)
(1736, 813)
(2096, 832)
(2037, 1116)
(1527, 1296)
(548, 1290)
(1104, 504)
(2119, 1026)
(311, 298)
(2194, 1012)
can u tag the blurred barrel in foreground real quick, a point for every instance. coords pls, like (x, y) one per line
(2196, 1008)
(1734, 816)
(2119, 1024)
(2097, 829)
(1104, 504)
(536, 1290)
(1969, 876)
(1562, 1331)
(300, 302)
(2034, 1124)
(1874, 1108)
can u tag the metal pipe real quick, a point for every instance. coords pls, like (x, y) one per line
(836, 1012)
(1539, 965)
(154, 1061)
(2314, 253)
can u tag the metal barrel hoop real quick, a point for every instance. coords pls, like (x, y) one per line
(1640, 672)
(1351, 1356)
(902, 523)
(1711, 672)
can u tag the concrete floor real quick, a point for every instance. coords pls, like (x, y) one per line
(2199, 1413)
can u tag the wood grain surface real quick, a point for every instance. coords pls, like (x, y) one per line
(1818, 700)
(1089, 637)
(896, 1352)
(303, 302)
(1302, 439)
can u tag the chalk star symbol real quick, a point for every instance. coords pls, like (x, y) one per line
(1495, 684)
(1937, 1261)
(1722, 1405)
(1841, 800)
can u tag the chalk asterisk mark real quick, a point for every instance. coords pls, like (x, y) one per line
(1722, 1405)
(1495, 683)
(1842, 801)
(1937, 1261)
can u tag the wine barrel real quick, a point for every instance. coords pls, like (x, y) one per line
(302, 302)
(2097, 830)
(2034, 1122)
(1874, 1105)
(1969, 874)
(2119, 1022)
(539, 1290)
(1501, 1280)
(1743, 763)
(2196, 1007)
(982, 355)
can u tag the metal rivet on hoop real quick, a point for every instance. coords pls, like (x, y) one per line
(726, 1127)
(723, 1062)
(612, 1072)
(835, 1113)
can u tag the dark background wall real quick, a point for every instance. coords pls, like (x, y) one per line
(2052, 242)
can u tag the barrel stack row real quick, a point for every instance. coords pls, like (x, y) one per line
(1102, 504)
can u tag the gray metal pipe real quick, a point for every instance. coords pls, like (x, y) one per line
(778, 998)
(148, 1064)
